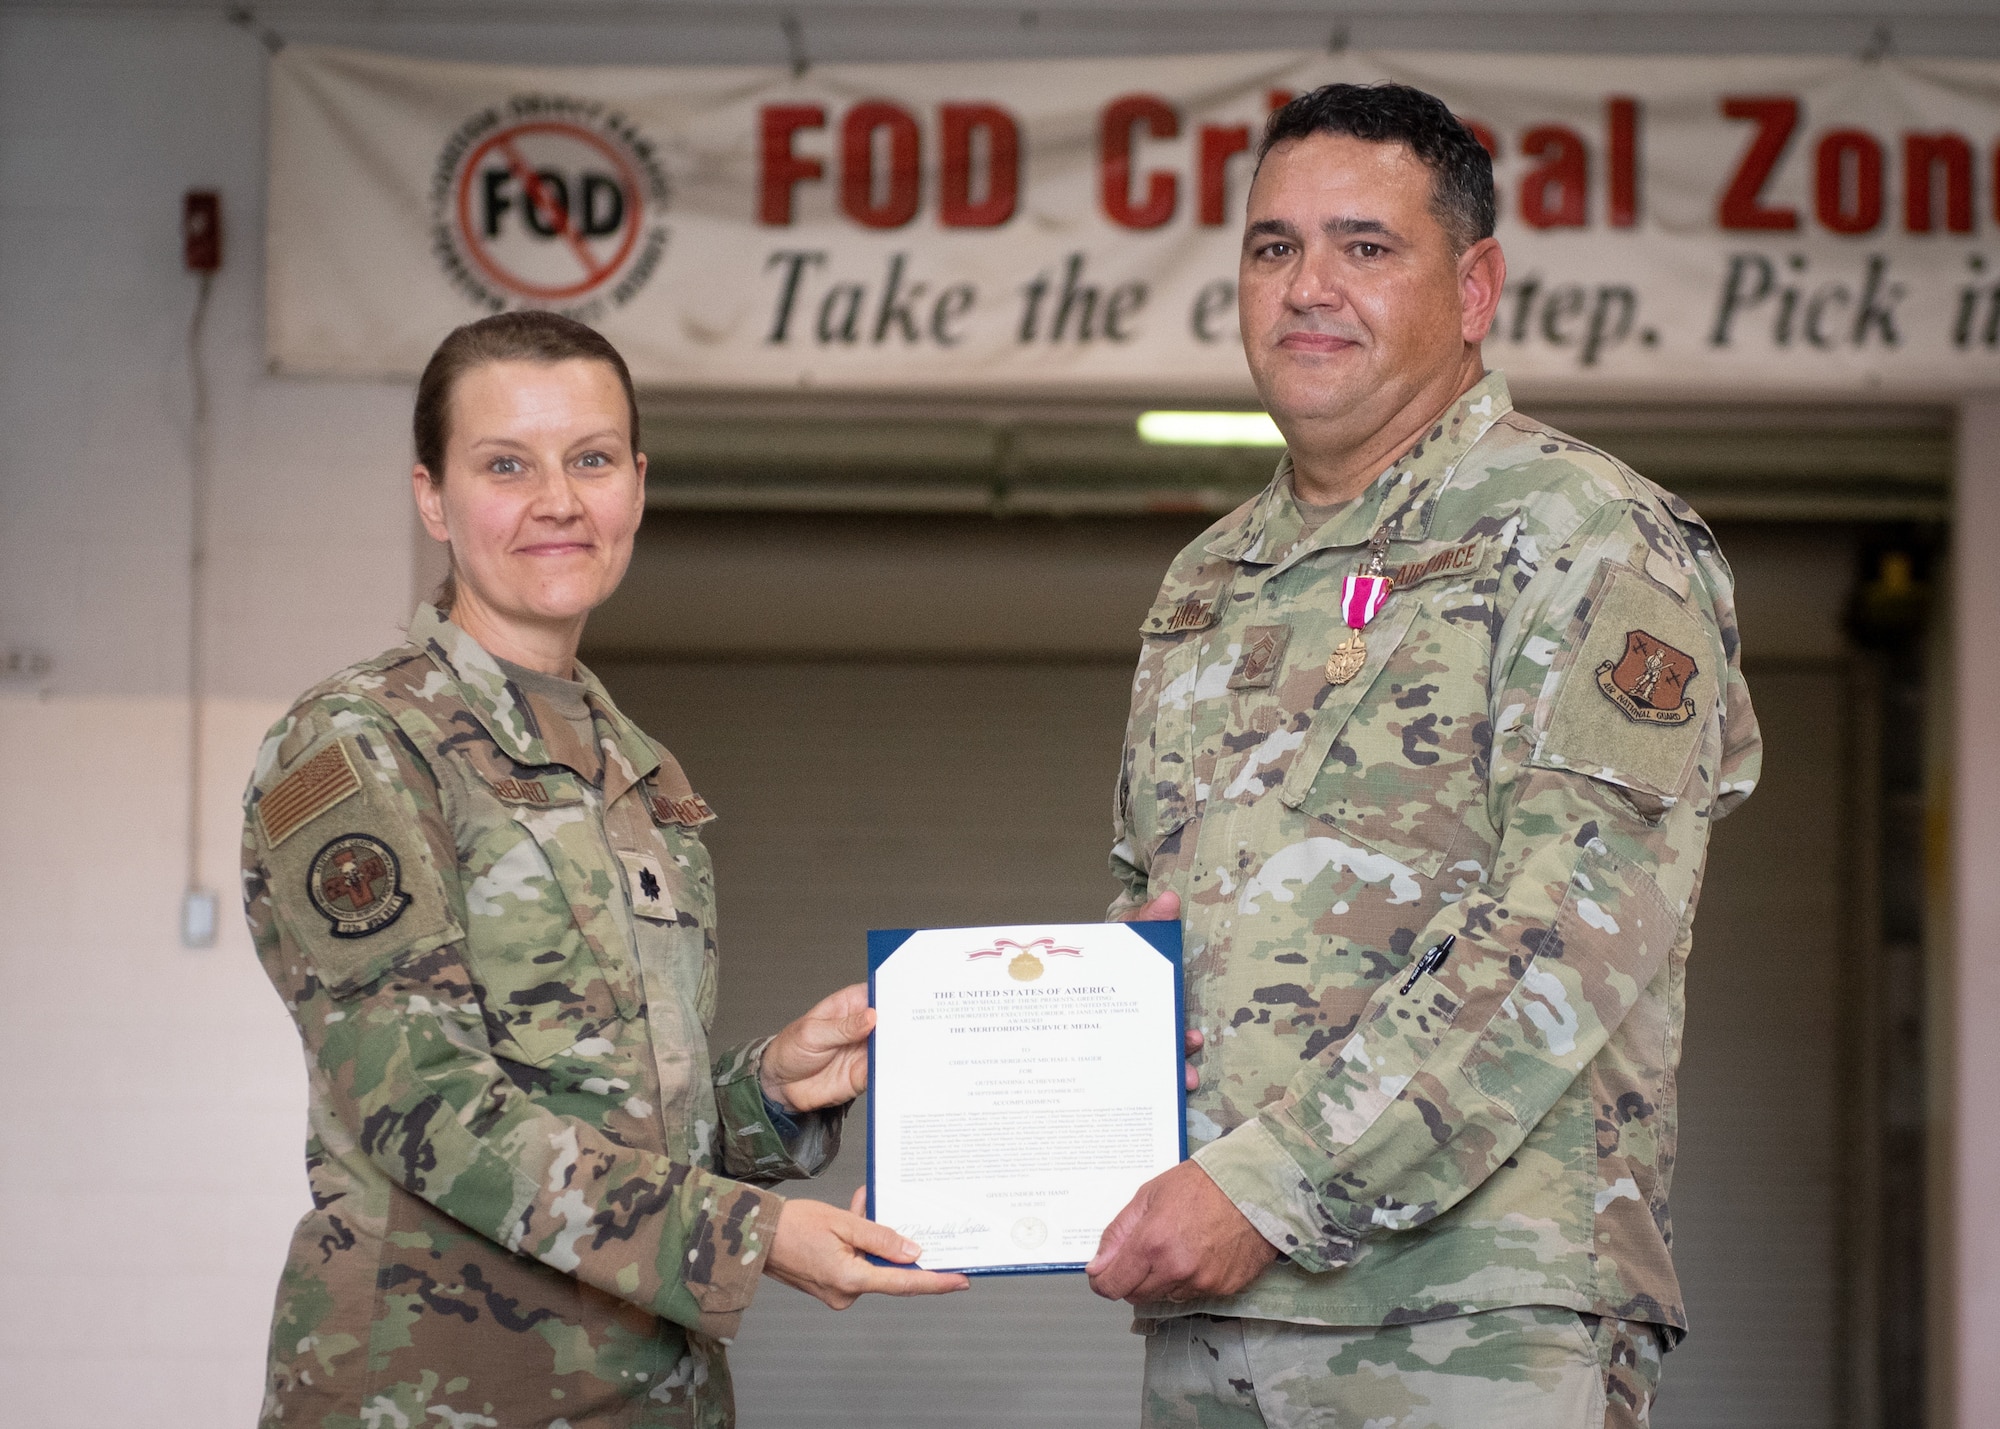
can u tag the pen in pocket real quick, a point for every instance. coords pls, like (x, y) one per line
(1431, 961)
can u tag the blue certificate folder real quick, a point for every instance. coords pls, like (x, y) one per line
(1163, 936)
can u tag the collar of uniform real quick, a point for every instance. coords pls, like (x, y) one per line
(481, 683)
(1401, 499)
(629, 756)
(504, 713)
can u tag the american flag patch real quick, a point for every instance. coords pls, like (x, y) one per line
(307, 792)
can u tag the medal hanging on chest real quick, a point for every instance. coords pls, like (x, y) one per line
(1360, 598)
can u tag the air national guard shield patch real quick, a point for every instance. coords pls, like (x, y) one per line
(1649, 682)
(357, 885)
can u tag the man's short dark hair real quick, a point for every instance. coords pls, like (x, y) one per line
(1461, 169)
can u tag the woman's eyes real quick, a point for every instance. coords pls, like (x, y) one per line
(514, 466)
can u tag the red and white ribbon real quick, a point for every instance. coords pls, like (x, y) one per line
(1361, 597)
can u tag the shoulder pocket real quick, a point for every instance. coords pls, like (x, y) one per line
(350, 869)
(1637, 693)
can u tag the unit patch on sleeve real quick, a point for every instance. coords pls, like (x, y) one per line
(1631, 702)
(307, 792)
(1650, 681)
(357, 885)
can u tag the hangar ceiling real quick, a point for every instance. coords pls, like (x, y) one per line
(1778, 463)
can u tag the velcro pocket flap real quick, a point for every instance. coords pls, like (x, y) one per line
(1638, 691)
(351, 873)
(1191, 604)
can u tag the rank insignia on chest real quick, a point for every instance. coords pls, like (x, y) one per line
(356, 884)
(1649, 681)
(1263, 654)
(646, 881)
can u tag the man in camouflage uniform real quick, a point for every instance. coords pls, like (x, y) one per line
(1427, 1190)
(535, 1201)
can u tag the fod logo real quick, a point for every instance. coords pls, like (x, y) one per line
(549, 202)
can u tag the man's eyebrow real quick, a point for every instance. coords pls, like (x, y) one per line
(1350, 227)
(1333, 227)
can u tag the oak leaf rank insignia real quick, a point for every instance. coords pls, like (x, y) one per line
(646, 881)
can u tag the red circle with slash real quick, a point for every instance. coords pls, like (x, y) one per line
(556, 219)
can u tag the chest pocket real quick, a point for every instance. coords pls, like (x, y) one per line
(1161, 785)
(1398, 758)
(548, 937)
(691, 877)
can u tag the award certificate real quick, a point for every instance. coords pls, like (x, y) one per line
(1023, 1083)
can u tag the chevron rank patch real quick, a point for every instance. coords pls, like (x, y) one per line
(1263, 652)
(307, 792)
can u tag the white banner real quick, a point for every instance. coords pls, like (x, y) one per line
(1673, 226)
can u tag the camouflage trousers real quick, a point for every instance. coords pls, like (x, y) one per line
(1530, 1367)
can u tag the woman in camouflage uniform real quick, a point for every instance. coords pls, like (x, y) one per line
(482, 893)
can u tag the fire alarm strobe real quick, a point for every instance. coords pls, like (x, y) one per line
(201, 230)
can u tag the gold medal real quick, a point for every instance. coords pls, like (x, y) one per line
(1347, 659)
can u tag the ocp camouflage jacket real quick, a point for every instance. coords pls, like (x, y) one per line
(501, 962)
(1549, 716)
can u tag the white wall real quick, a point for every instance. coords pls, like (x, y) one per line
(155, 1095)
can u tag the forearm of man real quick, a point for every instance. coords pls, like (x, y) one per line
(1439, 1084)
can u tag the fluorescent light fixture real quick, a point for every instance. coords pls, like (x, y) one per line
(1210, 429)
